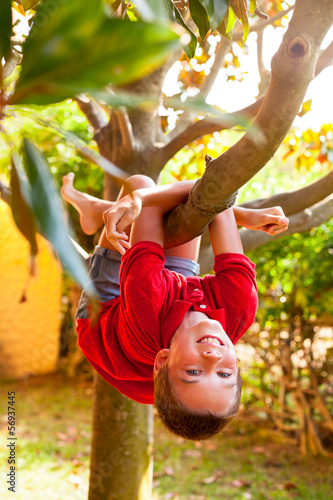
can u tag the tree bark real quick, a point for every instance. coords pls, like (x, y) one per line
(121, 461)
(121, 465)
(292, 70)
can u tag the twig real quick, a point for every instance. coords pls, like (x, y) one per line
(12, 61)
(262, 24)
(126, 130)
(92, 111)
(325, 59)
(263, 72)
(220, 53)
(206, 126)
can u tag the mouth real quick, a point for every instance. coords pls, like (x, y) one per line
(209, 339)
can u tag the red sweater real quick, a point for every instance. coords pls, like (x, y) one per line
(134, 327)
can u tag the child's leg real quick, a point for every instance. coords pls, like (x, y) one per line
(183, 259)
(90, 208)
(189, 250)
(134, 182)
(105, 263)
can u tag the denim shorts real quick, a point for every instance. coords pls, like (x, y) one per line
(104, 274)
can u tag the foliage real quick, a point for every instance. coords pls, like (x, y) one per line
(293, 370)
(71, 48)
(309, 146)
(71, 53)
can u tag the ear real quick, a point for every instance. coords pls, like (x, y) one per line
(161, 358)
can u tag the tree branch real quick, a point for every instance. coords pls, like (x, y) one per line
(187, 118)
(298, 200)
(207, 126)
(185, 124)
(262, 24)
(92, 111)
(292, 70)
(210, 125)
(221, 50)
(298, 223)
(325, 59)
(126, 131)
(13, 59)
(265, 75)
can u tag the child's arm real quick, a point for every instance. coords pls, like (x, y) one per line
(224, 235)
(271, 220)
(223, 230)
(156, 202)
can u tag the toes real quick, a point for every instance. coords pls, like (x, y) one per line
(68, 179)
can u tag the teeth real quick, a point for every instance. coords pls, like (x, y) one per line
(209, 340)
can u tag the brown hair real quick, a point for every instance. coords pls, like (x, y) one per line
(186, 423)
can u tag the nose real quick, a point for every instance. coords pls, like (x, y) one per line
(212, 355)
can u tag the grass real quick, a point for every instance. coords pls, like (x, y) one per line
(250, 461)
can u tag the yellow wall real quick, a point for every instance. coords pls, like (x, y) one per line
(29, 331)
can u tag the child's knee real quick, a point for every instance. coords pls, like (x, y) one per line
(139, 181)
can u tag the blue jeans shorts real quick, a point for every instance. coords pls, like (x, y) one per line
(104, 274)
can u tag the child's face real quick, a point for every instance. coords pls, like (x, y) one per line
(203, 371)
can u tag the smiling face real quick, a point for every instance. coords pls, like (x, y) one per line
(202, 365)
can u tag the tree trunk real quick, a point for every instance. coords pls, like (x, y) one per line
(121, 462)
(121, 465)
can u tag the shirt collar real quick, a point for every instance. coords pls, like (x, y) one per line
(177, 314)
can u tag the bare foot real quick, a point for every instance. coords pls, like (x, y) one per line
(90, 208)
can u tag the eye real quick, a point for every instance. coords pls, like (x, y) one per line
(193, 372)
(224, 375)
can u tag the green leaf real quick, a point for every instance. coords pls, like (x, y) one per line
(253, 6)
(78, 49)
(118, 175)
(240, 9)
(227, 24)
(29, 4)
(231, 20)
(49, 213)
(216, 10)
(306, 107)
(151, 10)
(5, 27)
(200, 17)
(176, 16)
(21, 204)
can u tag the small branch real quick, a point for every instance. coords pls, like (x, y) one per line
(126, 131)
(221, 50)
(92, 111)
(265, 75)
(298, 200)
(12, 61)
(207, 126)
(262, 24)
(325, 59)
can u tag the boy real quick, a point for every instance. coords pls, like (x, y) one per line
(164, 326)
